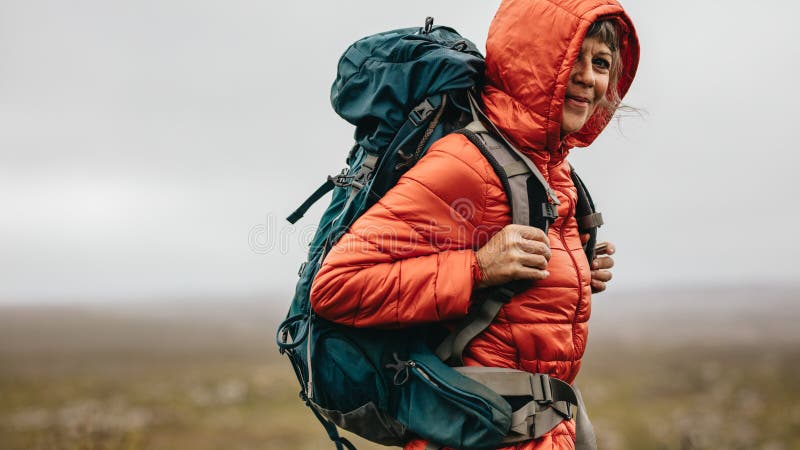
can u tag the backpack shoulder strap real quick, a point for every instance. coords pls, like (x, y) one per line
(589, 219)
(532, 202)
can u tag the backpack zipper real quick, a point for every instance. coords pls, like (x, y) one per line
(309, 383)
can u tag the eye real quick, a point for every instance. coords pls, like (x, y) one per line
(602, 63)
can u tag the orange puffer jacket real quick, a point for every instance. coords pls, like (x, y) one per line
(410, 258)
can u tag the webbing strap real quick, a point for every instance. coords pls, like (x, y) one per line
(322, 190)
(452, 347)
(585, 206)
(516, 168)
(585, 438)
(361, 177)
(341, 442)
(589, 220)
(476, 126)
(533, 421)
(477, 112)
(518, 383)
(593, 220)
(552, 400)
(497, 155)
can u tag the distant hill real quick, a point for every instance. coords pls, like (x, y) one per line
(745, 315)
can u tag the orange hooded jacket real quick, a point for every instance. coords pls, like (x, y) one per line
(410, 258)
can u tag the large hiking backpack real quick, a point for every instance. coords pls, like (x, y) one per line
(403, 90)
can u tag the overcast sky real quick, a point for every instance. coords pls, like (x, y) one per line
(153, 148)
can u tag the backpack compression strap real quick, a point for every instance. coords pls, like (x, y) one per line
(426, 114)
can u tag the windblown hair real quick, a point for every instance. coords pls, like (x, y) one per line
(606, 32)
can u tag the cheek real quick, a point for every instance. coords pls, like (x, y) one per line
(601, 87)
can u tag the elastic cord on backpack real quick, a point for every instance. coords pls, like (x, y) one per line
(282, 335)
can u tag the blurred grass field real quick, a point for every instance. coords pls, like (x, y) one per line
(693, 370)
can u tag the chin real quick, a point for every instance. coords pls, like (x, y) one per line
(569, 129)
(571, 125)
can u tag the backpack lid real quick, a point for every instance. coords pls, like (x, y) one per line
(381, 78)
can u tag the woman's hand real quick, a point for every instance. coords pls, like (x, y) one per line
(517, 252)
(601, 274)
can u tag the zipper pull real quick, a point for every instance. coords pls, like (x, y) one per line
(401, 368)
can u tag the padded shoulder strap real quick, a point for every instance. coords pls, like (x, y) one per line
(589, 219)
(532, 203)
(532, 200)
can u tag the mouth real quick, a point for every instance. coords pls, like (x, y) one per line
(578, 99)
(577, 102)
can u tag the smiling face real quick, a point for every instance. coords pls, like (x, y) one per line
(587, 85)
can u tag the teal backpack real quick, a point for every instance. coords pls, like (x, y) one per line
(403, 90)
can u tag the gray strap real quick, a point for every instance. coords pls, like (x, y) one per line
(370, 161)
(516, 383)
(476, 127)
(511, 166)
(432, 446)
(593, 220)
(367, 167)
(517, 185)
(506, 382)
(552, 401)
(452, 347)
(520, 424)
(516, 168)
(532, 421)
(477, 112)
(584, 431)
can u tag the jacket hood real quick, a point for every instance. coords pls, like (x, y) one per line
(530, 51)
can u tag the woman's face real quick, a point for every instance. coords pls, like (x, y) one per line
(587, 85)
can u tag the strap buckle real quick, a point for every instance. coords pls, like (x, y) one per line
(421, 112)
(569, 414)
(540, 387)
(342, 179)
(549, 211)
(302, 268)
(594, 220)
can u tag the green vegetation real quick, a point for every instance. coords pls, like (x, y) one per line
(73, 379)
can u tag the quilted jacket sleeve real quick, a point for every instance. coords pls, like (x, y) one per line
(409, 259)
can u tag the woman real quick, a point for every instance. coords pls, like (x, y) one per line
(555, 72)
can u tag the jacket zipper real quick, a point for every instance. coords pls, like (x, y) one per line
(577, 269)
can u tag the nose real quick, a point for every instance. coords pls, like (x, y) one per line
(583, 73)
